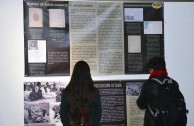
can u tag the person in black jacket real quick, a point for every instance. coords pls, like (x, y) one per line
(148, 96)
(80, 94)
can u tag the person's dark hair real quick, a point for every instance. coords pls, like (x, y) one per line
(38, 84)
(157, 63)
(80, 89)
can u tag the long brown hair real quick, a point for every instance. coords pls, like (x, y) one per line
(80, 89)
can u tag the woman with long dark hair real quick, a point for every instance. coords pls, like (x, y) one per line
(80, 93)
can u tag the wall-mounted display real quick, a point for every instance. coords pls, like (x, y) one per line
(118, 99)
(143, 35)
(46, 38)
(114, 38)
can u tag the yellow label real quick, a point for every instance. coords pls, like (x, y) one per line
(157, 5)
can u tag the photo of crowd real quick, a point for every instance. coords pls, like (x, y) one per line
(133, 88)
(34, 91)
(36, 113)
(42, 103)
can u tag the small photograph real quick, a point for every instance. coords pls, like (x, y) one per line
(133, 88)
(32, 45)
(35, 17)
(36, 51)
(37, 92)
(57, 18)
(133, 14)
(134, 44)
(54, 113)
(153, 27)
(36, 113)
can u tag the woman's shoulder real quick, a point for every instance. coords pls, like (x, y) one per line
(64, 93)
(97, 93)
(96, 90)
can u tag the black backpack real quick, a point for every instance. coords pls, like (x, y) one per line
(171, 106)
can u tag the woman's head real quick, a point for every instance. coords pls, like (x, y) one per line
(81, 78)
(81, 71)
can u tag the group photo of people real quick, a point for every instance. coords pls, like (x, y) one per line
(36, 113)
(44, 91)
(42, 103)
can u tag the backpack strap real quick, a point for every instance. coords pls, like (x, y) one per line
(162, 82)
(154, 114)
(168, 80)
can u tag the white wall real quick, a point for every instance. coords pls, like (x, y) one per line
(179, 43)
(179, 49)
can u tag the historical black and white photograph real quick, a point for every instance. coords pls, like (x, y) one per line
(54, 113)
(36, 113)
(42, 103)
(133, 88)
(37, 92)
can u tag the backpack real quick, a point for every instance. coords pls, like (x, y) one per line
(171, 107)
(82, 118)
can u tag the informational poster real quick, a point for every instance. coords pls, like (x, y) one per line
(46, 38)
(42, 101)
(143, 35)
(113, 102)
(135, 116)
(114, 38)
(97, 36)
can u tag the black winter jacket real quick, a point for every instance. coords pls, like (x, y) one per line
(148, 95)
